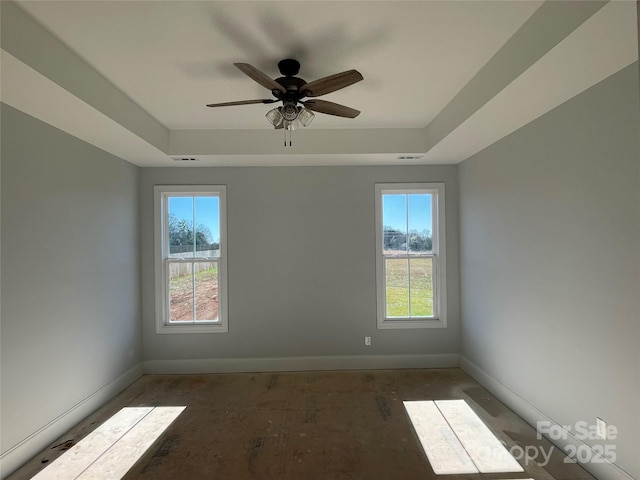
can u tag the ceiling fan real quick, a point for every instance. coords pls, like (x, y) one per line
(291, 90)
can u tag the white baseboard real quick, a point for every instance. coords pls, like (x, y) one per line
(604, 471)
(20, 453)
(296, 364)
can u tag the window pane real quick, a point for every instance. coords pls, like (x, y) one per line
(420, 222)
(421, 287)
(180, 226)
(394, 221)
(181, 292)
(397, 287)
(207, 221)
(206, 291)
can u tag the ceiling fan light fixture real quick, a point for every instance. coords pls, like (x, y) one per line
(290, 117)
(289, 111)
(275, 117)
(305, 116)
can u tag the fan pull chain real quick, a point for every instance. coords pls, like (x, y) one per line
(285, 137)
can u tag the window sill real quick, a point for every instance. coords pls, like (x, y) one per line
(388, 324)
(192, 328)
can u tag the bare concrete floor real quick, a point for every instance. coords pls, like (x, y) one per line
(307, 425)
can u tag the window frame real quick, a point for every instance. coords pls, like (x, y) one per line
(161, 241)
(439, 320)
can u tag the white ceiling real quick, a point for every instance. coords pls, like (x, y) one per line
(440, 77)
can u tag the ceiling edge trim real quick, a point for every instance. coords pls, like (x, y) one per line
(32, 44)
(546, 28)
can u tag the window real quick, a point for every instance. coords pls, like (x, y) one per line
(191, 259)
(410, 255)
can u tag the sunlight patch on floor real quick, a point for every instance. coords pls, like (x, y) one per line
(114, 447)
(456, 440)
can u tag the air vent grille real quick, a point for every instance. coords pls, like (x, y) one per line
(185, 159)
(410, 157)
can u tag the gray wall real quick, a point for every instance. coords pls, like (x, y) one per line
(70, 273)
(550, 257)
(301, 249)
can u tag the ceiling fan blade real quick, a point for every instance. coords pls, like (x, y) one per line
(242, 102)
(262, 78)
(330, 108)
(329, 84)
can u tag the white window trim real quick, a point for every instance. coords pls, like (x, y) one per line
(439, 251)
(161, 192)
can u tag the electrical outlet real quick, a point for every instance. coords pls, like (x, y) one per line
(601, 428)
(367, 341)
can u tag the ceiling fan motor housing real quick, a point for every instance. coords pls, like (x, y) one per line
(292, 85)
(289, 68)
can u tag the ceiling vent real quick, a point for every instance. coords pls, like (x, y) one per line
(185, 159)
(410, 157)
